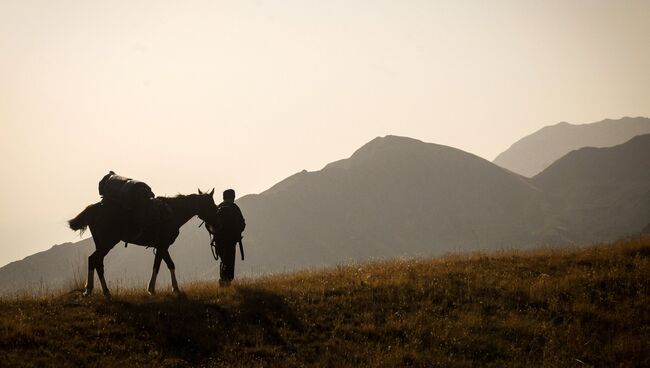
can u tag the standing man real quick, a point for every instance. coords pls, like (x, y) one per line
(230, 225)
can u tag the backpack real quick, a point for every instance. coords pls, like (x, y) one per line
(229, 222)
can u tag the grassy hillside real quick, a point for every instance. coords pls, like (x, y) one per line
(581, 307)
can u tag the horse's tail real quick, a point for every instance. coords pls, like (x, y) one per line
(83, 219)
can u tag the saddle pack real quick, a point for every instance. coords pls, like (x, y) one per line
(143, 213)
(126, 192)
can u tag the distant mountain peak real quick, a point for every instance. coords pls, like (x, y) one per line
(385, 144)
(380, 150)
(535, 152)
(389, 140)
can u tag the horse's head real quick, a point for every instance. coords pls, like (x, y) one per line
(206, 208)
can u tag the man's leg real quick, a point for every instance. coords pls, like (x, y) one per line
(227, 269)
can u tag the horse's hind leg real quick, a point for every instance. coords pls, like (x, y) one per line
(90, 277)
(90, 280)
(96, 263)
(156, 267)
(100, 273)
(172, 270)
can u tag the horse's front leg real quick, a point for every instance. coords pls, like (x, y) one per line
(172, 270)
(156, 266)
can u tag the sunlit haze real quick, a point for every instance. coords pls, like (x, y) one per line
(241, 94)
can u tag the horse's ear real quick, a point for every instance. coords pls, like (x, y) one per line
(211, 193)
(200, 192)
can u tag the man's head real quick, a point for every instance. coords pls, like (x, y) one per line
(229, 195)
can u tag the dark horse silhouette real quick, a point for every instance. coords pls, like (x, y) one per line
(109, 224)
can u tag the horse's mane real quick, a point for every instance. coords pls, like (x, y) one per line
(176, 197)
(180, 198)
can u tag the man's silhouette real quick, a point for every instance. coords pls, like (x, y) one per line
(230, 224)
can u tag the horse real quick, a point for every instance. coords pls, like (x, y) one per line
(109, 224)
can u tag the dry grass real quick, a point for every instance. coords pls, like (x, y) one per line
(547, 307)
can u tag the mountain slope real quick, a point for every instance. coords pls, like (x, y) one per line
(602, 193)
(534, 153)
(395, 196)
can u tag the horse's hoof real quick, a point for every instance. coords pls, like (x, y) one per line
(176, 291)
(151, 292)
(107, 296)
(87, 292)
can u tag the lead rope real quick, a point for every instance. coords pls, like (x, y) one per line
(213, 245)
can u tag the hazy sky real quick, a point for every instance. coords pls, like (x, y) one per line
(244, 93)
